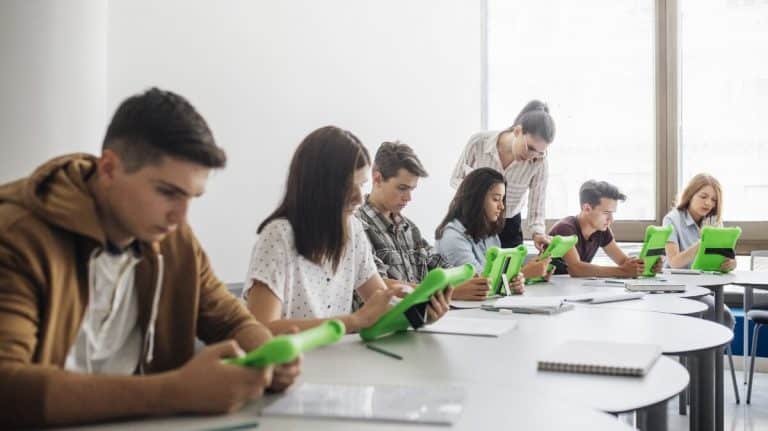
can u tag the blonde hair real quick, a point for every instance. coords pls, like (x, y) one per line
(697, 183)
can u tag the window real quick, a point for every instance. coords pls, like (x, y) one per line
(723, 89)
(592, 61)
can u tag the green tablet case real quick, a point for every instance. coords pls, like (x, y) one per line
(654, 247)
(412, 310)
(500, 261)
(285, 348)
(556, 250)
(716, 244)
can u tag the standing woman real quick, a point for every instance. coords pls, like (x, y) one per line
(519, 154)
(312, 252)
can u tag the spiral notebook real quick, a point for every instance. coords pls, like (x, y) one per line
(601, 357)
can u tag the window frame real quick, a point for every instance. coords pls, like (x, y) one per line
(667, 116)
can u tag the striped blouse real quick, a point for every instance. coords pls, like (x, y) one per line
(521, 176)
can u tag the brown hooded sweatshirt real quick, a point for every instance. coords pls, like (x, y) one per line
(49, 228)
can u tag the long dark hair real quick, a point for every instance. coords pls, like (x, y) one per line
(318, 190)
(468, 205)
(535, 120)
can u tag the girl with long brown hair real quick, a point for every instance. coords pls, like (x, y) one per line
(312, 253)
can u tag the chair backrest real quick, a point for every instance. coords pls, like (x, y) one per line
(758, 260)
(235, 288)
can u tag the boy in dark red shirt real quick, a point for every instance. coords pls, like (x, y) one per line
(593, 228)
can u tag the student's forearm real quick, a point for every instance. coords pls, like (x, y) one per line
(252, 336)
(80, 398)
(351, 322)
(684, 258)
(584, 269)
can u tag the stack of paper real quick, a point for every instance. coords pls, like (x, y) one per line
(434, 404)
(653, 285)
(470, 326)
(527, 304)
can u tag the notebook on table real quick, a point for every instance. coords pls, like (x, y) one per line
(601, 357)
(396, 403)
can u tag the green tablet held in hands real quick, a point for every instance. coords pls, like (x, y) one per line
(654, 247)
(717, 243)
(285, 348)
(502, 261)
(411, 311)
(555, 250)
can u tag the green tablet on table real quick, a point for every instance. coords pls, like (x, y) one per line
(501, 262)
(558, 246)
(717, 244)
(411, 311)
(654, 246)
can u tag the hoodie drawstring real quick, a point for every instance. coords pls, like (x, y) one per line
(88, 315)
(150, 340)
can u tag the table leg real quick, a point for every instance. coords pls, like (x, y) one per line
(693, 392)
(719, 384)
(748, 300)
(654, 417)
(719, 391)
(705, 397)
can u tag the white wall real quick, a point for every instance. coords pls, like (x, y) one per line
(264, 74)
(52, 80)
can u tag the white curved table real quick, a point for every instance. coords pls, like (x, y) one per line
(658, 304)
(671, 303)
(677, 335)
(500, 373)
(575, 285)
(486, 407)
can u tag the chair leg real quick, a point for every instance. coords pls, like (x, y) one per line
(752, 361)
(733, 374)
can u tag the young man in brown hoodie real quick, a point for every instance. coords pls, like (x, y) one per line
(104, 288)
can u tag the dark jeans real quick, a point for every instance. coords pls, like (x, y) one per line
(512, 235)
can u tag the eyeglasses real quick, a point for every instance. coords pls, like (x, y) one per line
(532, 151)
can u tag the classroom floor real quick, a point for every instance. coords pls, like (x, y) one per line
(739, 417)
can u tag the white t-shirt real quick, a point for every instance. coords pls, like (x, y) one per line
(308, 290)
(109, 341)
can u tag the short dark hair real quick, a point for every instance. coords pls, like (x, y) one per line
(592, 191)
(318, 190)
(393, 156)
(468, 205)
(160, 123)
(535, 120)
